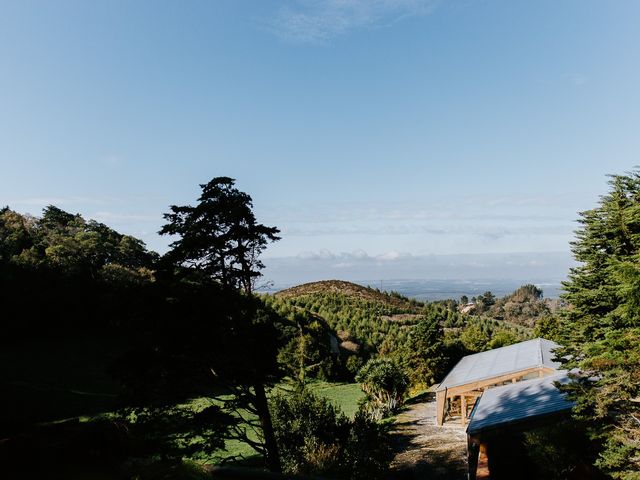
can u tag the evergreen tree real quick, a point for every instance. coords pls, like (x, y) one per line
(601, 329)
(220, 240)
(424, 357)
(219, 237)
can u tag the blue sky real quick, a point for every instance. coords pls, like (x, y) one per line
(376, 134)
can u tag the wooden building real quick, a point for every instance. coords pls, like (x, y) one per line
(511, 409)
(474, 374)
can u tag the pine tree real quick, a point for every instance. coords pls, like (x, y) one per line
(601, 329)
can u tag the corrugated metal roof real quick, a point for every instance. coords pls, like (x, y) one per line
(501, 361)
(523, 400)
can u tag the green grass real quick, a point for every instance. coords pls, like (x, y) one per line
(48, 381)
(345, 396)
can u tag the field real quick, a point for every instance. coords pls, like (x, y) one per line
(344, 396)
(56, 379)
(51, 381)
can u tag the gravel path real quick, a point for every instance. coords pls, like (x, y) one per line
(424, 450)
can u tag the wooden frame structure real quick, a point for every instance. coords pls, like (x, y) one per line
(476, 373)
(468, 393)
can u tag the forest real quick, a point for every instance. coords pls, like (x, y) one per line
(118, 362)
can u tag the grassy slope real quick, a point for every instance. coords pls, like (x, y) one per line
(345, 396)
(52, 380)
(49, 381)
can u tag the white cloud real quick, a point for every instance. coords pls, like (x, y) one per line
(390, 256)
(318, 21)
(536, 267)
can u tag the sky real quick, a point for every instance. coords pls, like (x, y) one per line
(385, 138)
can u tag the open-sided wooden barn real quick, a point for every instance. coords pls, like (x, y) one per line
(476, 373)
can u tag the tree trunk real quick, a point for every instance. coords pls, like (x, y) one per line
(273, 455)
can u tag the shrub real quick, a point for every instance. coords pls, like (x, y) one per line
(315, 438)
(385, 384)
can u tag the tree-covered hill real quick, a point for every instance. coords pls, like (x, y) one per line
(349, 289)
(426, 338)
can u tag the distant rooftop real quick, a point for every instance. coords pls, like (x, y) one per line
(518, 402)
(502, 361)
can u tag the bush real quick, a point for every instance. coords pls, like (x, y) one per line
(315, 438)
(385, 384)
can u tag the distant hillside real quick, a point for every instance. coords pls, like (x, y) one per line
(351, 290)
(364, 322)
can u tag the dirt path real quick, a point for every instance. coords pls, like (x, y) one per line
(424, 450)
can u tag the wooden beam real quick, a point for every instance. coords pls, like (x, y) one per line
(441, 398)
(459, 389)
(463, 409)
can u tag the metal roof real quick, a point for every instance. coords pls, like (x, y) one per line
(501, 361)
(518, 402)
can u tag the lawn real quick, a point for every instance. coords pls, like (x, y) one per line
(345, 396)
(46, 381)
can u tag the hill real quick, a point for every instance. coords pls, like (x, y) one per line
(366, 322)
(351, 290)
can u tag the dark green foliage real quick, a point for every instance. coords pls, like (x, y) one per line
(424, 357)
(548, 327)
(67, 449)
(385, 385)
(219, 238)
(481, 333)
(310, 345)
(73, 274)
(219, 244)
(367, 453)
(365, 322)
(601, 327)
(559, 451)
(485, 301)
(314, 438)
(475, 338)
(308, 430)
(177, 431)
(502, 339)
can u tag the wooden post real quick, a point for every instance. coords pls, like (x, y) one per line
(463, 408)
(441, 397)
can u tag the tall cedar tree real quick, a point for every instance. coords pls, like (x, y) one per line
(219, 237)
(220, 240)
(602, 326)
